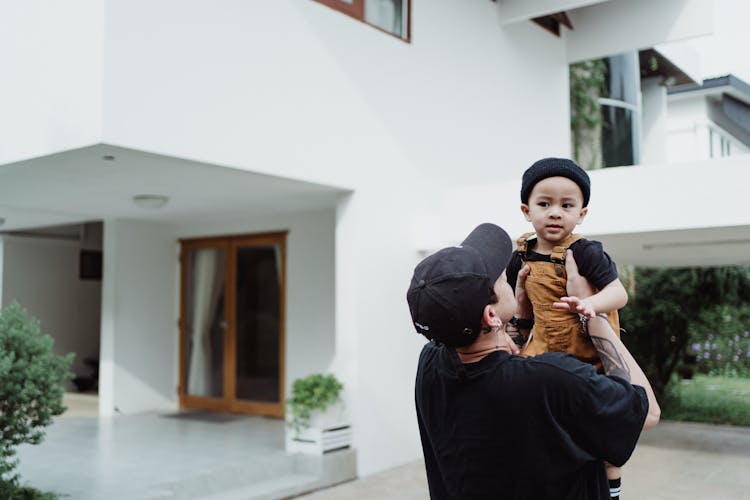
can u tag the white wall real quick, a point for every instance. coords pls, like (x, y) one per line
(51, 88)
(614, 27)
(42, 276)
(668, 197)
(637, 199)
(653, 121)
(376, 338)
(688, 127)
(138, 370)
(297, 89)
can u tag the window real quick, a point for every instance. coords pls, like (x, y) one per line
(391, 16)
(621, 111)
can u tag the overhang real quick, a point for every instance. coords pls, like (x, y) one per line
(100, 181)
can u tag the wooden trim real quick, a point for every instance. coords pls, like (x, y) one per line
(203, 403)
(356, 9)
(408, 21)
(230, 332)
(207, 241)
(181, 328)
(553, 22)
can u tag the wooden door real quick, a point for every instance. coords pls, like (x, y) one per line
(232, 324)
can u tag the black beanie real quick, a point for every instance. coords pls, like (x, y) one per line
(554, 167)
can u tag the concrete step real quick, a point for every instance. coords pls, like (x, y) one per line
(271, 489)
(277, 475)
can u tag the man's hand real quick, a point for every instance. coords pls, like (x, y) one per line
(579, 290)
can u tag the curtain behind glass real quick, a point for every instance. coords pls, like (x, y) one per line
(204, 331)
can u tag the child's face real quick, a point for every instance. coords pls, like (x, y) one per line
(555, 208)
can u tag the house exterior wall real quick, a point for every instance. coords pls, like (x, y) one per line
(138, 355)
(653, 121)
(615, 27)
(296, 89)
(696, 200)
(51, 88)
(42, 276)
(636, 201)
(690, 131)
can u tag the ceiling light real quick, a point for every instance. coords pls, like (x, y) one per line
(150, 200)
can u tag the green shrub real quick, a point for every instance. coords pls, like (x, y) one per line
(314, 392)
(721, 341)
(32, 383)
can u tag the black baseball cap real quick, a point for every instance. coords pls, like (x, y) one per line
(450, 288)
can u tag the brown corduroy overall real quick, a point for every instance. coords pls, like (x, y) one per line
(556, 330)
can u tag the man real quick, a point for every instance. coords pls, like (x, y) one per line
(494, 425)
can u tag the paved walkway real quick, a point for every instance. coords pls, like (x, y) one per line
(673, 461)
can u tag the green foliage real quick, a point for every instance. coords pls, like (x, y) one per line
(663, 305)
(587, 84)
(314, 392)
(32, 383)
(720, 341)
(717, 400)
(13, 492)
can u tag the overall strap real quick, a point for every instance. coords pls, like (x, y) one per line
(557, 257)
(523, 245)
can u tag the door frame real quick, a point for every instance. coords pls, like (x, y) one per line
(228, 402)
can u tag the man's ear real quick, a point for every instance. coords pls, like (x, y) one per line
(525, 211)
(489, 317)
(582, 215)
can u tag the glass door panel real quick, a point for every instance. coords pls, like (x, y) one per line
(204, 322)
(258, 322)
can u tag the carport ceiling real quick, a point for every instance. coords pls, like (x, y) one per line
(99, 182)
(716, 246)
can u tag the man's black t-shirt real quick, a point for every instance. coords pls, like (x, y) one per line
(593, 262)
(522, 428)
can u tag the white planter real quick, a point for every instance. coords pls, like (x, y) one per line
(328, 431)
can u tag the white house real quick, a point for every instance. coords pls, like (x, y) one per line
(710, 120)
(261, 177)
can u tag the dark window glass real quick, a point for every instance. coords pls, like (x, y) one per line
(617, 136)
(258, 323)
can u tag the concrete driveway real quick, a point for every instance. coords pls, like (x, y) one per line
(674, 461)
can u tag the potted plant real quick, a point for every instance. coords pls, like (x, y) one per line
(316, 418)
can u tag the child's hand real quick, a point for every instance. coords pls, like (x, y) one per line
(574, 304)
(523, 305)
(584, 307)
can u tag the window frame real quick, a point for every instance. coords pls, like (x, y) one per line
(357, 10)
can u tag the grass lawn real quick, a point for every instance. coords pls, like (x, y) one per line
(715, 400)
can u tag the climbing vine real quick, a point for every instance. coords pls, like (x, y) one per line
(587, 84)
